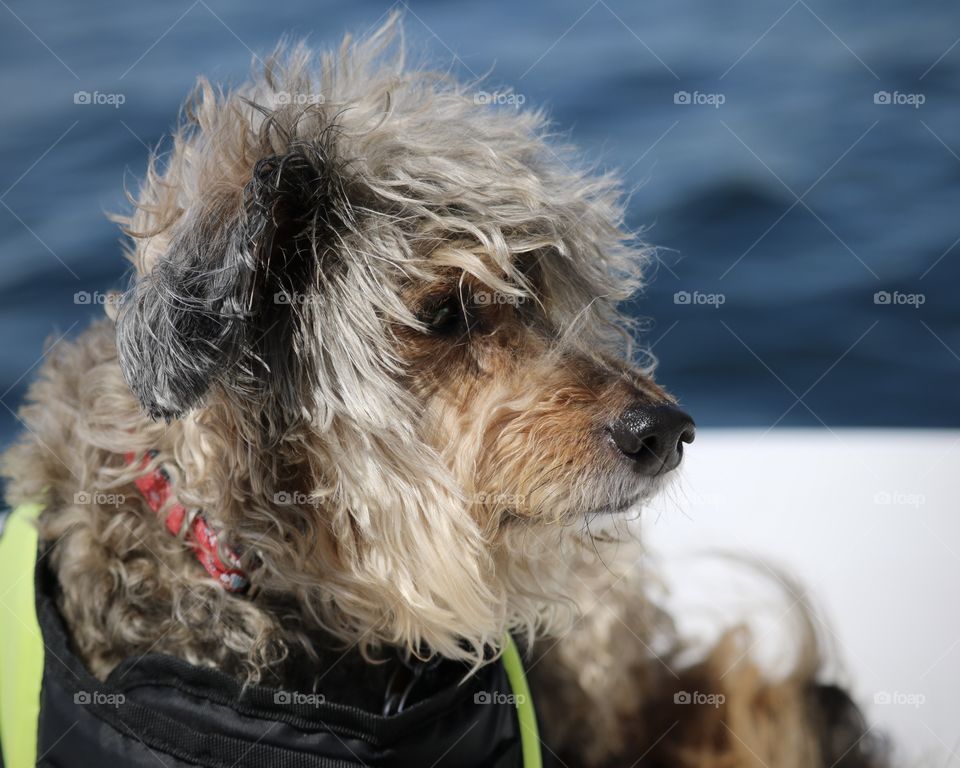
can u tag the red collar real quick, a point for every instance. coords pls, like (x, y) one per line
(220, 561)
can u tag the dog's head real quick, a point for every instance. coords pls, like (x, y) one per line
(385, 316)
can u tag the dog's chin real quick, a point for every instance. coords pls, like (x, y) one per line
(631, 504)
(627, 508)
(624, 508)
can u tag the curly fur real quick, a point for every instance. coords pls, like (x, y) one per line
(387, 488)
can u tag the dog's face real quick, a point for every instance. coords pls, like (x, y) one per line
(535, 424)
(402, 305)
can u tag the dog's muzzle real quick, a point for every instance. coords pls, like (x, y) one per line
(652, 436)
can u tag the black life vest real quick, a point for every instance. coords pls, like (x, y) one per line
(160, 710)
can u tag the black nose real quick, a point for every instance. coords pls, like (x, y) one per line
(652, 436)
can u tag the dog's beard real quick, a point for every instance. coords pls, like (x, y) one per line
(616, 496)
(617, 519)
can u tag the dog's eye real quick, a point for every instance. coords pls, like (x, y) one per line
(444, 316)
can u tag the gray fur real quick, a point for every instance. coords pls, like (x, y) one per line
(208, 313)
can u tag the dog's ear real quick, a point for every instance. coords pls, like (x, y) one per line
(217, 306)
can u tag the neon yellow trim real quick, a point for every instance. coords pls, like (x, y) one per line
(526, 715)
(21, 645)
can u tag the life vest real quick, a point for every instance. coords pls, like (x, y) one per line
(157, 709)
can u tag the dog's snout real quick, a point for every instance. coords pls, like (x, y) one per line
(652, 436)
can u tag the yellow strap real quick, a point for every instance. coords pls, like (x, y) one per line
(21, 645)
(529, 735)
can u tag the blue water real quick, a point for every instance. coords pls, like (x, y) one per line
(716, 186)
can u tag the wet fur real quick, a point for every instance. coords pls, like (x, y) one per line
(272, 347)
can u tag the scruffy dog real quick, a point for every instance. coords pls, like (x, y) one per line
(374, 337)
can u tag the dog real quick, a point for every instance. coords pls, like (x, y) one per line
(373, 347)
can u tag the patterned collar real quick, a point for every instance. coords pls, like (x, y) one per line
(219, 560)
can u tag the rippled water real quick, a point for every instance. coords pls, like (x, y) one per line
(759, 299)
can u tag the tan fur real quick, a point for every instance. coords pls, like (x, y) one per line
(444, 490)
